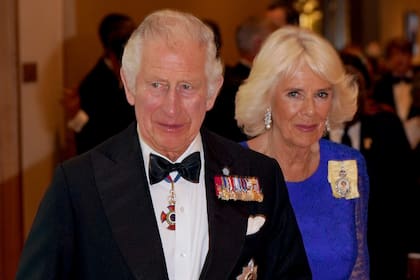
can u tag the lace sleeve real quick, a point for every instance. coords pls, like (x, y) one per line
(361, 268)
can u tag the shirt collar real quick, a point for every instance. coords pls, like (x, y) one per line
(195, 146)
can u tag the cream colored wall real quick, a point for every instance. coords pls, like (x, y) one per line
(40, 39)
(82, 19)
(391, 18)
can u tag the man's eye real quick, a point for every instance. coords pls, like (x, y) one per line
(186, 86)
(156, 84)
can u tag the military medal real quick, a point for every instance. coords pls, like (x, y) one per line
(249, 272)
(238, 188)
(342, 176)
(342, 185)
(169, 216)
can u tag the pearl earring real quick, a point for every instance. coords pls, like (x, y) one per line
(327, 125)
(267, 119)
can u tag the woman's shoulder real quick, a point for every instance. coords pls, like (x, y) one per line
(333, 150)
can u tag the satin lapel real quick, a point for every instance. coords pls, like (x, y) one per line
(227, 219)
(124, 191)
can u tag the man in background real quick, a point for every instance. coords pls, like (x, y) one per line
(282, 13)
(249, 37)
(104, 110)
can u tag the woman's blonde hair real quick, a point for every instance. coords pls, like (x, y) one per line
(279, 58)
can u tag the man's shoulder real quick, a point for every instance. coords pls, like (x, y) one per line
(114, 148)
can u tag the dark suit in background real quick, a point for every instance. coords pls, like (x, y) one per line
(101, 92)
(392, 194)
(103, 99)
(221, 118)
(249, 36)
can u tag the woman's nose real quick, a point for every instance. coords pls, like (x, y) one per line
(308, 107)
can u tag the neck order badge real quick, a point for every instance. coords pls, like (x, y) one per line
(160, 168)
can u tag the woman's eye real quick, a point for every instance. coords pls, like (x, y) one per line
(293, 94)
(323, 94)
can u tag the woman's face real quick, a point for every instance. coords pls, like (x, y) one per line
(300, 106)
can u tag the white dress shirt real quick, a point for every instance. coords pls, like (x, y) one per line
(186, 247)
(403, 99)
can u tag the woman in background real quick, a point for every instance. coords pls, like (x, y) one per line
(298, 89)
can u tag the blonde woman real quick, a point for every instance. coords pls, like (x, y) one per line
(297, 89)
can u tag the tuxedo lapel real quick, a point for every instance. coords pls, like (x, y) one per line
(123, 188)
(227, 219)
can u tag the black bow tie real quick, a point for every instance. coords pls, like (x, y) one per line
(189, 168)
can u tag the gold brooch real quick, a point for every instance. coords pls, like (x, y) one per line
(342, 176)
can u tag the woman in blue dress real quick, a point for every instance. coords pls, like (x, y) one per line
(297, 90)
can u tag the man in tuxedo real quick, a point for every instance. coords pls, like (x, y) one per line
(104, 110)
(165, 199)
(397, 88)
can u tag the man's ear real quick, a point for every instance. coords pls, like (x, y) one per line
(213, 95)
(128, 93)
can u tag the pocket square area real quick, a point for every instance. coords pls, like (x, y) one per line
(255, 223)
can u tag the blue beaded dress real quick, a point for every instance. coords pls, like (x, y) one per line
(333, 229)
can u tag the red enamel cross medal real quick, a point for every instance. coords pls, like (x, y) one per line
(169, 217)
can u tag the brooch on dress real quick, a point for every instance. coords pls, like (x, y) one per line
(342, 176)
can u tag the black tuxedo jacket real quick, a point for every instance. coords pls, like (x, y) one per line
(96, 220)
(393, 197)
(383, 92)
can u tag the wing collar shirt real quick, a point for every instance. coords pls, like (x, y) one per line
(186, 247)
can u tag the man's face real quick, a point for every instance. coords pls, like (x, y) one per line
(277, 16)
(171, 97)
(399, 62)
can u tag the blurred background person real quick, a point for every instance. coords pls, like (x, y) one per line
(104, 110)
(281, 13)
(379, 135)
(249, 36)
(214, 26)
(298, 88)
(395, 87)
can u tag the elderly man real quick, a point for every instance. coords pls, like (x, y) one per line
(162, 199)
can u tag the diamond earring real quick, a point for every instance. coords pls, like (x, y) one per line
(267, 119)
